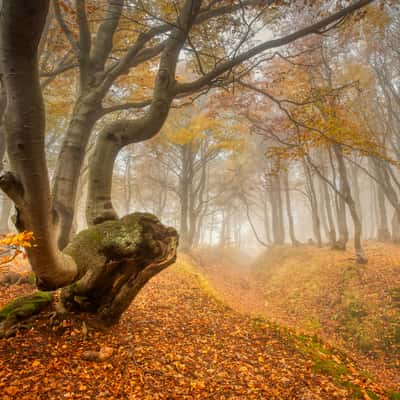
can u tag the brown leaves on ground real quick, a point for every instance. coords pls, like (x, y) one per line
(175, 342)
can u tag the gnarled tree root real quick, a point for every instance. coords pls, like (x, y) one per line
(116, 259)
(13, 314)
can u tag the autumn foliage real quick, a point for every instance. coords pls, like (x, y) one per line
(13, 244)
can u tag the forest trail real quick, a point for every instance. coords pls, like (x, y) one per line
(320, 292)
(177, 341)
(232, 277)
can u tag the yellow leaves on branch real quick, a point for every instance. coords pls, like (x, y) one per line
(196, 129)
(12, 245)
(22, 239)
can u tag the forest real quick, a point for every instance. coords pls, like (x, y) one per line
(200, 199)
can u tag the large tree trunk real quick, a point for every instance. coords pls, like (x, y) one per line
(27, 184)
(70, 162)
(120, 133)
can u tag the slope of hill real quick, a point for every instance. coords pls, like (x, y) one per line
(323, 292)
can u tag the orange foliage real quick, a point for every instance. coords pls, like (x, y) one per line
(11, 245)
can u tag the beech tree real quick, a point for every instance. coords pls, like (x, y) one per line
(103, 268)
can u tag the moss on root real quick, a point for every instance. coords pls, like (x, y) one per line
(20, 309)
(97, 245)
(26, 306)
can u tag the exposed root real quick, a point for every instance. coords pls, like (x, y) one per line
(15, 313)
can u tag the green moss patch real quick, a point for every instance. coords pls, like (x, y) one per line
(24, 307)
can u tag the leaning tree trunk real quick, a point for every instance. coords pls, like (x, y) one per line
(119, 134)
(69, 163)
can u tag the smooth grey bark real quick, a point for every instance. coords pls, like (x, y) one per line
(69, 163)
(27, 183)
(92, 54)
(120, 133)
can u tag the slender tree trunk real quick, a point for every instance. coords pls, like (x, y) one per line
(329, 214)
(292, 235)
(278, 232)
(340, 207)
(69, 164)
(313, 204)
(356, 189)
(384, 182)
(267, 225)
(347, 197)
(6, 206)
(396, 228)
(383, 234)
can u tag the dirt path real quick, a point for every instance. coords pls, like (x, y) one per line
(233, 280)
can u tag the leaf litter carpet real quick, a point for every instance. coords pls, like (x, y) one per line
(174, 342)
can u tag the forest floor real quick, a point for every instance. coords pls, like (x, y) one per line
(320, 292)
(178, 340)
